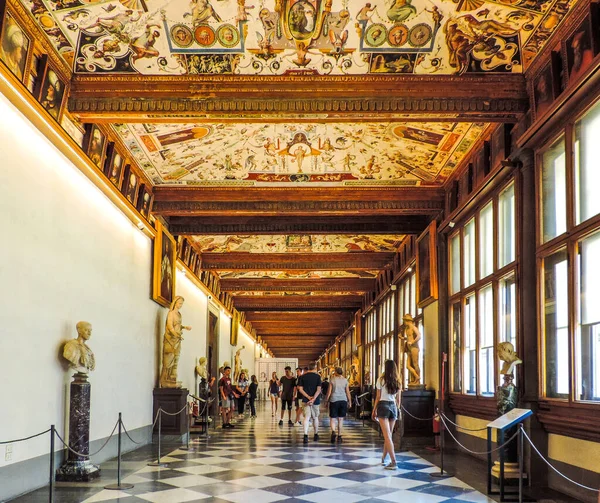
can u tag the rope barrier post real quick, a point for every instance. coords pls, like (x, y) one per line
(521, 453)
(442, 423)
(119, 485)
(157, 462)
(51, 494)
(187, 442)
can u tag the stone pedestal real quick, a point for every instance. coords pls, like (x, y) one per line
(79, 468)
(170, 400)
(419, 403)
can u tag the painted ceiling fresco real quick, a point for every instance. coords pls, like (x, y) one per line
(297, 274)
(297, 243)
(321, 37)
(292, 294)
(327, 154)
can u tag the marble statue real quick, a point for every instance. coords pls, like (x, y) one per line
(237, 364)
(78, 352)
(410, 337)
(354, 372)
(367, 375)
(172, 345)
(201, 369)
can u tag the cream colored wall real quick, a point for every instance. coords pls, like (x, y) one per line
(226, 350)
(247, 354)
(431, 360)
(68, 254)
(573, 451)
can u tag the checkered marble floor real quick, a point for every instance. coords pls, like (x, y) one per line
(262, 462)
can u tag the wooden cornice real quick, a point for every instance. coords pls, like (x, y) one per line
(312, 303)
(342, 261)
(352, 224)
(290, 201)
(493, 97)
(297, 285)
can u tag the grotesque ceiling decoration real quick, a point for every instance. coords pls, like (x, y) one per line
(297, 274)
(321, 37)
(322, 154)
(292, 294)
(297, 243)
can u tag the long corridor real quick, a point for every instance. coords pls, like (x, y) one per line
(261, 462)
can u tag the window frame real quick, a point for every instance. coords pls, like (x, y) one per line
(494, 279)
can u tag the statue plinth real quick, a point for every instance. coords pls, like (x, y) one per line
(417, 386)
(78, 467)
(171, 400)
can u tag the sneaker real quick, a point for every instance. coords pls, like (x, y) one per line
(316, 437)
(281, 422)
(305, 439)
(392, 466)
(300, 423)
(290, 423)
(339, 439)
(333, 437)
(383, 460)
(231, 425)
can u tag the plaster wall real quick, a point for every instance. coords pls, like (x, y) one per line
(431, 360)
(67, 254)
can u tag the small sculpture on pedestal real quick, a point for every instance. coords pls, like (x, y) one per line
(507, 399)
(237, 364)
(172, 345)
(201, 370)
(410, 337)
(77, 467)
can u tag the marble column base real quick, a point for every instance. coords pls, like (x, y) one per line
(77, 471)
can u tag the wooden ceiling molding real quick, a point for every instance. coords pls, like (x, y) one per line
(298, 285)
(344, 261)
(300, 303)
(261, 225)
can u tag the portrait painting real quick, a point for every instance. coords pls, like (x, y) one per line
(113, 167)
(579, 49)
(543, 90)
(427, 284)
(15, 45)
(164, 267)
(130, 186)
(144, 201)
(50, 90)
(500, 145)
(95, 145)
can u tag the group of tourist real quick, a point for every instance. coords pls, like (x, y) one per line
(304, 392)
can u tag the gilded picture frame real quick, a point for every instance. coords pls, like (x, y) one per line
(163, 270)
(16, 45)
(50, 90)
(427, 280)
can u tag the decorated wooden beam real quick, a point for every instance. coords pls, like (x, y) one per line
(198, 98)
(293, 315)
(313, 303)
(227, 205)
(342, 261)
(297, 285)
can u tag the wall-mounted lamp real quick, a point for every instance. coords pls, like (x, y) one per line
(451, 224)
(393, 288)
(409, 269)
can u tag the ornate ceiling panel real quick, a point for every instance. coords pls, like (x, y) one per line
(320, 37)
(297, 275)
(297, 243)
(320, 154)
(291, 294)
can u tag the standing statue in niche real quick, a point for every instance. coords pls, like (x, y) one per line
(172, 345)
(410, 337)
(78, 352)
(354, 372)
(237, 364)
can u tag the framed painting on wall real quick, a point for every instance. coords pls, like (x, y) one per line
(545, 88)
(113, 167)
(163, 277)
(144, 201)
(131, 183)
(15, 44)
(50, 90)
(580, 47)
(94, 144)
(427, 283)
(500, 145)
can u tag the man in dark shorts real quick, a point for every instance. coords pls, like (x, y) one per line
(310, 393)
(226, 395)
(297, 396)
(288, 384)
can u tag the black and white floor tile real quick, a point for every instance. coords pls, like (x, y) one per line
(262, 462)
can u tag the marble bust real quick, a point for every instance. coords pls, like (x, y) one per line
(77, 352)
(201, 369)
